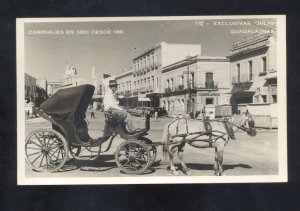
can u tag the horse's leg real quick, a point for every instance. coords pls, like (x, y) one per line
(180, 156)
(216, 165)
(219, 160)
(220, 155)
(171, 155)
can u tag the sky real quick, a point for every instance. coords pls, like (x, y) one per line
(88, 43)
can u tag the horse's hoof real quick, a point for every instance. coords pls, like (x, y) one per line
(222, 174)
(175, 173)
(189, 173)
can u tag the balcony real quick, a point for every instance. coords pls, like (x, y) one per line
(127, 93)
(168, 90)
(178, 90)
(244, 78)
(263, 73)
(208, 86)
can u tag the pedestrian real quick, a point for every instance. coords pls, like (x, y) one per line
(203, 112)
(156, 114)
(93, 113)
(211, 115)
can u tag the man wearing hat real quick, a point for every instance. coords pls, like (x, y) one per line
(111, 103)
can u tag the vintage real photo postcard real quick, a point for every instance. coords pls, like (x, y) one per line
(140, 100)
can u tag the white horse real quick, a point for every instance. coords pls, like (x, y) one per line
(202, 134)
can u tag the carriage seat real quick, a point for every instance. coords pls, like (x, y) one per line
(111, 117)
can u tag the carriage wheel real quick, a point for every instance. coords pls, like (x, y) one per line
(152, 149)
(133, 157)
(46, 150)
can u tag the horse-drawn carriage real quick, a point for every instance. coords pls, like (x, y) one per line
(48, 149)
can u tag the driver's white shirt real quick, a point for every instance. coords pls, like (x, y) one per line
(110, 101)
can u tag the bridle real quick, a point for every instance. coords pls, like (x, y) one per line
(250, 130)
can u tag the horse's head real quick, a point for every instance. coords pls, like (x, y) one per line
(247, 124)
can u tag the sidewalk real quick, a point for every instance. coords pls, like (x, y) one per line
(35, 120)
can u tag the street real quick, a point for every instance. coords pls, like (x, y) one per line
(244, 156)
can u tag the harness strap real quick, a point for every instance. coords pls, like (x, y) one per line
(208, 130)
(187, 127)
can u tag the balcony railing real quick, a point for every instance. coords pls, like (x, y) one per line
(207, 85)
(127, 93)
(178, 90)
(168, 90)
(244, 78)
(263, 73)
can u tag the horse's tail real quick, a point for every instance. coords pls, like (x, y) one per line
(165, 141)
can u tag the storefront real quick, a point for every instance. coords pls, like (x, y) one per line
(154, 99)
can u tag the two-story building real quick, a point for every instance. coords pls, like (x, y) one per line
(194, 83)
(253, 70)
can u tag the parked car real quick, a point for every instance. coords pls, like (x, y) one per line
(140, 111)
(161, 111)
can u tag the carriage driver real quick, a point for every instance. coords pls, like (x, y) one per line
(111, 103)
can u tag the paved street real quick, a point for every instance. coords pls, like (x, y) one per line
(243, 156)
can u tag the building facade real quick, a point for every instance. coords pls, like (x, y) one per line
(72, 78)
(253, 69)
(30, 88)
(125, 92)
(147, 69)
(196, 82)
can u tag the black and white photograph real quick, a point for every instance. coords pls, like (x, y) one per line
(151, 100)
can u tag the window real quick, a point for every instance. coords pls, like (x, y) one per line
(172, 83)
(238, 67)
(250, 70)
(153, 84)
(209, 101)
(182, 80)
(264, 98)
(256, 98)
(168, 85)
(264, 64)
(209, 80)
(274, 98)
(152, 60)
(192, 81)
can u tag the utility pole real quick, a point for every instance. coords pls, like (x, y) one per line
(188, 84)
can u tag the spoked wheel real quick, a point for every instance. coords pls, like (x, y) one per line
(152, 149)
(46, 150)
(133, 157)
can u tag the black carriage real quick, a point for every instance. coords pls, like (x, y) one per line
(48, 149)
